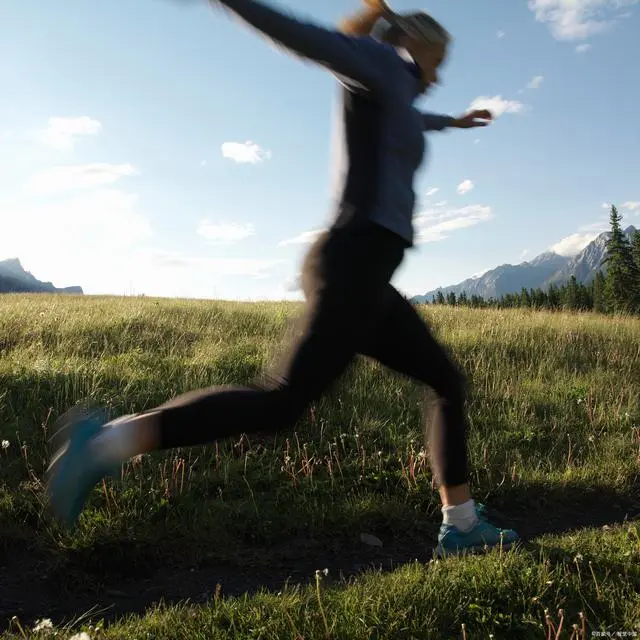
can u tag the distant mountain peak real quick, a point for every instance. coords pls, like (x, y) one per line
(540, 272)
(15, 279)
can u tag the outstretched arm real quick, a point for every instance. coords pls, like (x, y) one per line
(433, 122)
(361, 60)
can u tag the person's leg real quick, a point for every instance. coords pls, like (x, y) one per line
(345, 277)
(403, 342)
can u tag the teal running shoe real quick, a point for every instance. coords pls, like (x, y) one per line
(73, 472)
(481, 536)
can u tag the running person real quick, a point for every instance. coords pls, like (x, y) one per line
(351, 306)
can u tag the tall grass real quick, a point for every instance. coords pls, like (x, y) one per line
(555, 433)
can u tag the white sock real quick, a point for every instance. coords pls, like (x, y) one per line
(117, 441)
(462, 516)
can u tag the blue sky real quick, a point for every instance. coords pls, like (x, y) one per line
(159, 147)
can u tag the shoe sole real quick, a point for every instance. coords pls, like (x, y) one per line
(441, 552)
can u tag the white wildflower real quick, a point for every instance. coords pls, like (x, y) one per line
(42, 625)
(5, 444)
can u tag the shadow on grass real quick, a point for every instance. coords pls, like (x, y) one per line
(137, 574)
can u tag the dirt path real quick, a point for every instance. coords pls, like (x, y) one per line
(31, 589)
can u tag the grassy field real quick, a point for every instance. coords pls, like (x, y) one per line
(232, 540)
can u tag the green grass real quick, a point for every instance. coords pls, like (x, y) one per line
(554, 445)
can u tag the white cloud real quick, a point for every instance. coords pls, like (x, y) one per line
(500, 33)
(524, 254)
(606, 205)
(441, 203)
(307, 237)
(631, 205)
(497, 105)
(61, 133)
(434, 225)
(72, 177)
(573, 244)
(244, 153)
(596, 227)
(476, 141)
(583, 48)
(74, 240)
(292, 285)
(432, 191)
(224, 232)
(464, 187)
(577, 19)
(535, 82)
(220, 267)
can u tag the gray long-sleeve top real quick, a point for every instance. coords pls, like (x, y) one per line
(380, 143)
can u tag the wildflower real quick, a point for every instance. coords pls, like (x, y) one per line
(83, 635)
(43, 625)
(5, 445)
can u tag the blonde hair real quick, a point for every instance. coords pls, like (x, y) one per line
(362, 22)
(376, 18)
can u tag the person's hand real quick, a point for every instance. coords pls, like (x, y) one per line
(478, 118)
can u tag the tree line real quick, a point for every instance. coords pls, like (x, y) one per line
(614, 289)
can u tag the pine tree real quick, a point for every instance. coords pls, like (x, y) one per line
(635, 248)
(571, 294)
(440, 298)
(622, 275)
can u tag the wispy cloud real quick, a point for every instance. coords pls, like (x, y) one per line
(244, 153)
(436, 224)
(583, 48)
(535, 82)
(62, 133)
(497, 105)
(500, 34)
(577, 19)
(307, 237)
(72, 240)
(221, 267)
(524, 254)
(631, 205)
(432, 191)
(74, 177)
(464, 187)
(224, 232)
(595, 227)
(573, 244)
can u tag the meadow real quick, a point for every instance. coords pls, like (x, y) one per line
(327, 531)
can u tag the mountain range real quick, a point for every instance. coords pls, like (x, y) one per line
(545, 270)
(14, 279)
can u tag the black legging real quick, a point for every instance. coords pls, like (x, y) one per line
(351, 309)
